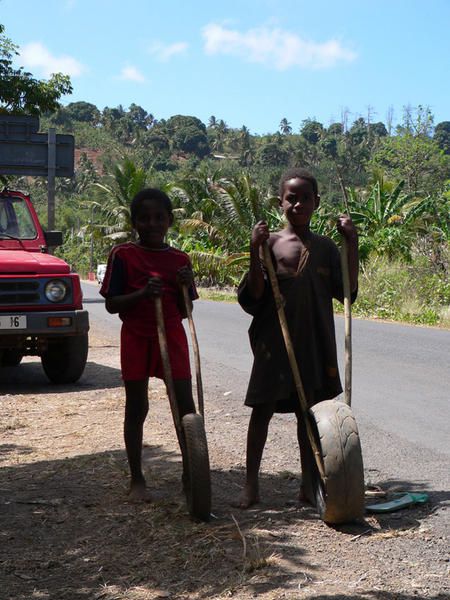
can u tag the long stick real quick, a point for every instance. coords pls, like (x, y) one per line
(348, 323)
(198, 373)
(163, 348)
(347, 305)
(292, 359)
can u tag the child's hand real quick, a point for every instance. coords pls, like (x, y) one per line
(185, 276)
(154, 287)
(260, 234)
(346, 227)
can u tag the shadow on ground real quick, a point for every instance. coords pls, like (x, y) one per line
(29, 378)
(67, 532)
(376, 595)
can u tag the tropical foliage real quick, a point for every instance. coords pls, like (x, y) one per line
(393, 181)
(112, 200)
(20, 92)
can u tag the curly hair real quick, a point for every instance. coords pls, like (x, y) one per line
(149, 194)
(300, 173)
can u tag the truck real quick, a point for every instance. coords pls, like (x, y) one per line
(41, 310)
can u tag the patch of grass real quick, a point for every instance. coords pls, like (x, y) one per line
(391, 290)
(217, 294)
(409, 293)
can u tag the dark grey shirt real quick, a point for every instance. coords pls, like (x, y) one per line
(308, 294)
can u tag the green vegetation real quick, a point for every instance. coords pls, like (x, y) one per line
(20, 93)
(394, 183)
(393, 290)
(403, 222)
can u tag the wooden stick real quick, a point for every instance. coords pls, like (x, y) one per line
(348, 323)
(347, 307)
(292, 359)
(163, 348)
(198, 373)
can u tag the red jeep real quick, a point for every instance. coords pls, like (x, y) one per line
(41, 312)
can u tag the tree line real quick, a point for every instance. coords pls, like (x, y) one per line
(394, 181)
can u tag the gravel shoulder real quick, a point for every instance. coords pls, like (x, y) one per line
(68, 532)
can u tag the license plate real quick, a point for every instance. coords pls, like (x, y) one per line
(13, 322)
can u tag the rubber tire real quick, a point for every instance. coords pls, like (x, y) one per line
(65, 359)
(10, 358)
(198, 485)
(340, 499)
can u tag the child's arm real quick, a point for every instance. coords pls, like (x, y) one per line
(123, 302)
(185, 276)
(346, 227)
(255, 278)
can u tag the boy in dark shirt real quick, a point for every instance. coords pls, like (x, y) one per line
(309, 275)
(138, 272)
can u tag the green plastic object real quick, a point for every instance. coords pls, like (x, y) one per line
(403, 501)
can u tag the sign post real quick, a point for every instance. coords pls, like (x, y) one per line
(24, 151)
(51, 179)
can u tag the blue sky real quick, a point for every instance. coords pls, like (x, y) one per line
(248, 62)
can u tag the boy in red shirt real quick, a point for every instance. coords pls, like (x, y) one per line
(138, 272)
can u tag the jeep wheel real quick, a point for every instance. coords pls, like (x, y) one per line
(65, 359)
(10, 358)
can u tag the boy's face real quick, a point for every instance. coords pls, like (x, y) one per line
(298, 201)
(152, 222)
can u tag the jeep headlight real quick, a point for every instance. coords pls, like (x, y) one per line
(55, 290)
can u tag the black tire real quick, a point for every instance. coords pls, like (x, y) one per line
(10, 358)
(340, 498)
(65, 359)
(198, 484)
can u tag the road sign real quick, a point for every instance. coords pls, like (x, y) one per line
(23, 151)
(18, 125)
(30, 156)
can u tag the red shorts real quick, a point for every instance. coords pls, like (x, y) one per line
(140, 356)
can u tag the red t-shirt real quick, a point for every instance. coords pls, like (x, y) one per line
(129, 267)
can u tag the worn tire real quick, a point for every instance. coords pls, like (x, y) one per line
(198, 485)
(65, 359)
(10, 358)
(340, 499)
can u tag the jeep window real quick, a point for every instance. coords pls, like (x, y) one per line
(15, 219)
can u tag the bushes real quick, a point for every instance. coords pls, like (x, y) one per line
(403, 292)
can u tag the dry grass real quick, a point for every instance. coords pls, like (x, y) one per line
(67, 531)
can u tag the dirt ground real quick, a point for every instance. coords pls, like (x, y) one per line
(68, 532)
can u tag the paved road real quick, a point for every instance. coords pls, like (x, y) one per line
(401, 386)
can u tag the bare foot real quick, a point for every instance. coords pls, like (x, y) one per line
(138, 492)
(248, 497)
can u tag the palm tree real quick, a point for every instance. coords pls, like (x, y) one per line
(216, 219)
(196, 192)
(285, 127)
(220, 131)
(112, 200)
(212, 122)
(246, 148)
(241, 204)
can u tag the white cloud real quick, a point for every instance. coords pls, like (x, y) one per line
(165, 52)
(130, 73)
(274, 47)
(36, 56)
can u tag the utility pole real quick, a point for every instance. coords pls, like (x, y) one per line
(51, 179)
(91, 253)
